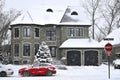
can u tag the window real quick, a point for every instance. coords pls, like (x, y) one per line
(75, 32)
(16, 30)
(49, 10)
(71, 32)
(16, 50)
(117, 56)
(79, 31)
(53, 51)
(26, 62)
(17, 62)
(37, 32)
(26, 50)
(51, 34)
(36, 46)
(74, 13)
(26, 32)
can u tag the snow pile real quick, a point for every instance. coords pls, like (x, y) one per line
(117, 61)
(72, 73)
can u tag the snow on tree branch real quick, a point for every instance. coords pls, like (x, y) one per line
(43, 55)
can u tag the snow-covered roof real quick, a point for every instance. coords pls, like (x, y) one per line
(115, 34)
(75, 14)
(40, 15)
(81, 43)
(75, 23)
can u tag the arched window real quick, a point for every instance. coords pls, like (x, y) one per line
(74, 13)
(49, 10)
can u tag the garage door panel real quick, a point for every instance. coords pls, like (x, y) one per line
(73, 58)
(91, 58)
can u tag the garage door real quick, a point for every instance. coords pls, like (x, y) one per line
(91, 58)
(73, 58)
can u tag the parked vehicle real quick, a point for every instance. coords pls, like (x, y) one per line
(116, 64)
(38, 69)
(4, 71)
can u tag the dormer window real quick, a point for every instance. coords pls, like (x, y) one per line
(74, 13)
(49, 10)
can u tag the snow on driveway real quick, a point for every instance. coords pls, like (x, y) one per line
(72, 73)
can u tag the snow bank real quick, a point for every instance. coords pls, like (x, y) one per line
(72, 73)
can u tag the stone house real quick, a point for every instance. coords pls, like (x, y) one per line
(54, 26)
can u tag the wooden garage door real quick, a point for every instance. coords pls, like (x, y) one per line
(73, 58)
(91, 58)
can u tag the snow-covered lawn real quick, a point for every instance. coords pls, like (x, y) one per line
(72, 73)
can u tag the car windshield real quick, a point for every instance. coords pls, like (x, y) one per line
(41, 64)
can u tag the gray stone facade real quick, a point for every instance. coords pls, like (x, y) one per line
(24, 38)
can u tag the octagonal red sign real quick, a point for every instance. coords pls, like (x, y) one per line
(108, 47)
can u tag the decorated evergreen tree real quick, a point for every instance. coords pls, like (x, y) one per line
(43, 55)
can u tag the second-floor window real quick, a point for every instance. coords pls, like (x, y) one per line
(75, 32)
(51, 34)
(71, 32)
(37, 32)
(16, 32)
(79, 31)
(26, 32)
(26, 49)
(16, 50)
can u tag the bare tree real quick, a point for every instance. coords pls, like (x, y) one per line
(6, 17)
(92, 7)
(111, 15)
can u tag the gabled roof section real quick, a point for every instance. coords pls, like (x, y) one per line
(75, 14)
(24, 18)
(41, 15)
(115, 34)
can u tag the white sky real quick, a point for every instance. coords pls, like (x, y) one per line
(23, 4)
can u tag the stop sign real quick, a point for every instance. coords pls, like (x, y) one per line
(108, 47)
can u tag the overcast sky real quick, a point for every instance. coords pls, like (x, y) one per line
(23, 4)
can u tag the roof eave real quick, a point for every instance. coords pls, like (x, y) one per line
(81, 47)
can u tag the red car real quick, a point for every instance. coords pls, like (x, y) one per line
(38, 69)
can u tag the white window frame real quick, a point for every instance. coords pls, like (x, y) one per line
(26, 31)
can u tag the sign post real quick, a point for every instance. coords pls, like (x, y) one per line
(108, 49)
